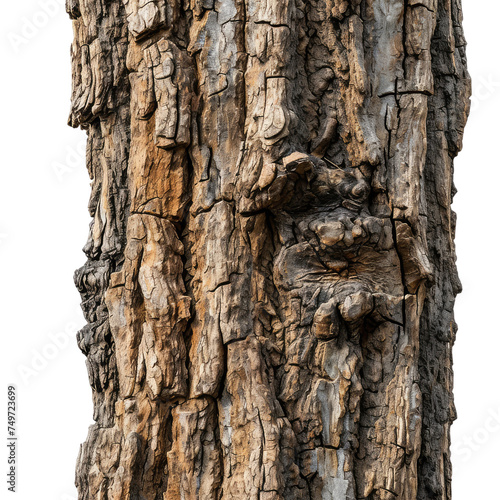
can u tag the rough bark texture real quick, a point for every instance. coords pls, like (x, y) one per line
(271, 270)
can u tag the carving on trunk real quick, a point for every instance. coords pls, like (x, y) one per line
(271, 270)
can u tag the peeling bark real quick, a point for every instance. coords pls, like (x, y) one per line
(271, 269)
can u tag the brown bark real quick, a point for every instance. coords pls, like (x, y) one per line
(271, 270)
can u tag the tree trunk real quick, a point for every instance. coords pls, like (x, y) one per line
(271, 269)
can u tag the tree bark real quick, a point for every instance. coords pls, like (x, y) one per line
(271, 269)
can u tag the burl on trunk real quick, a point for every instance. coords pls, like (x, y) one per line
(271, 269)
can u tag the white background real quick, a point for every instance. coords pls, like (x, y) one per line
(43, 225)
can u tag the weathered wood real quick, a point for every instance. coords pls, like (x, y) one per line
(271, 270)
